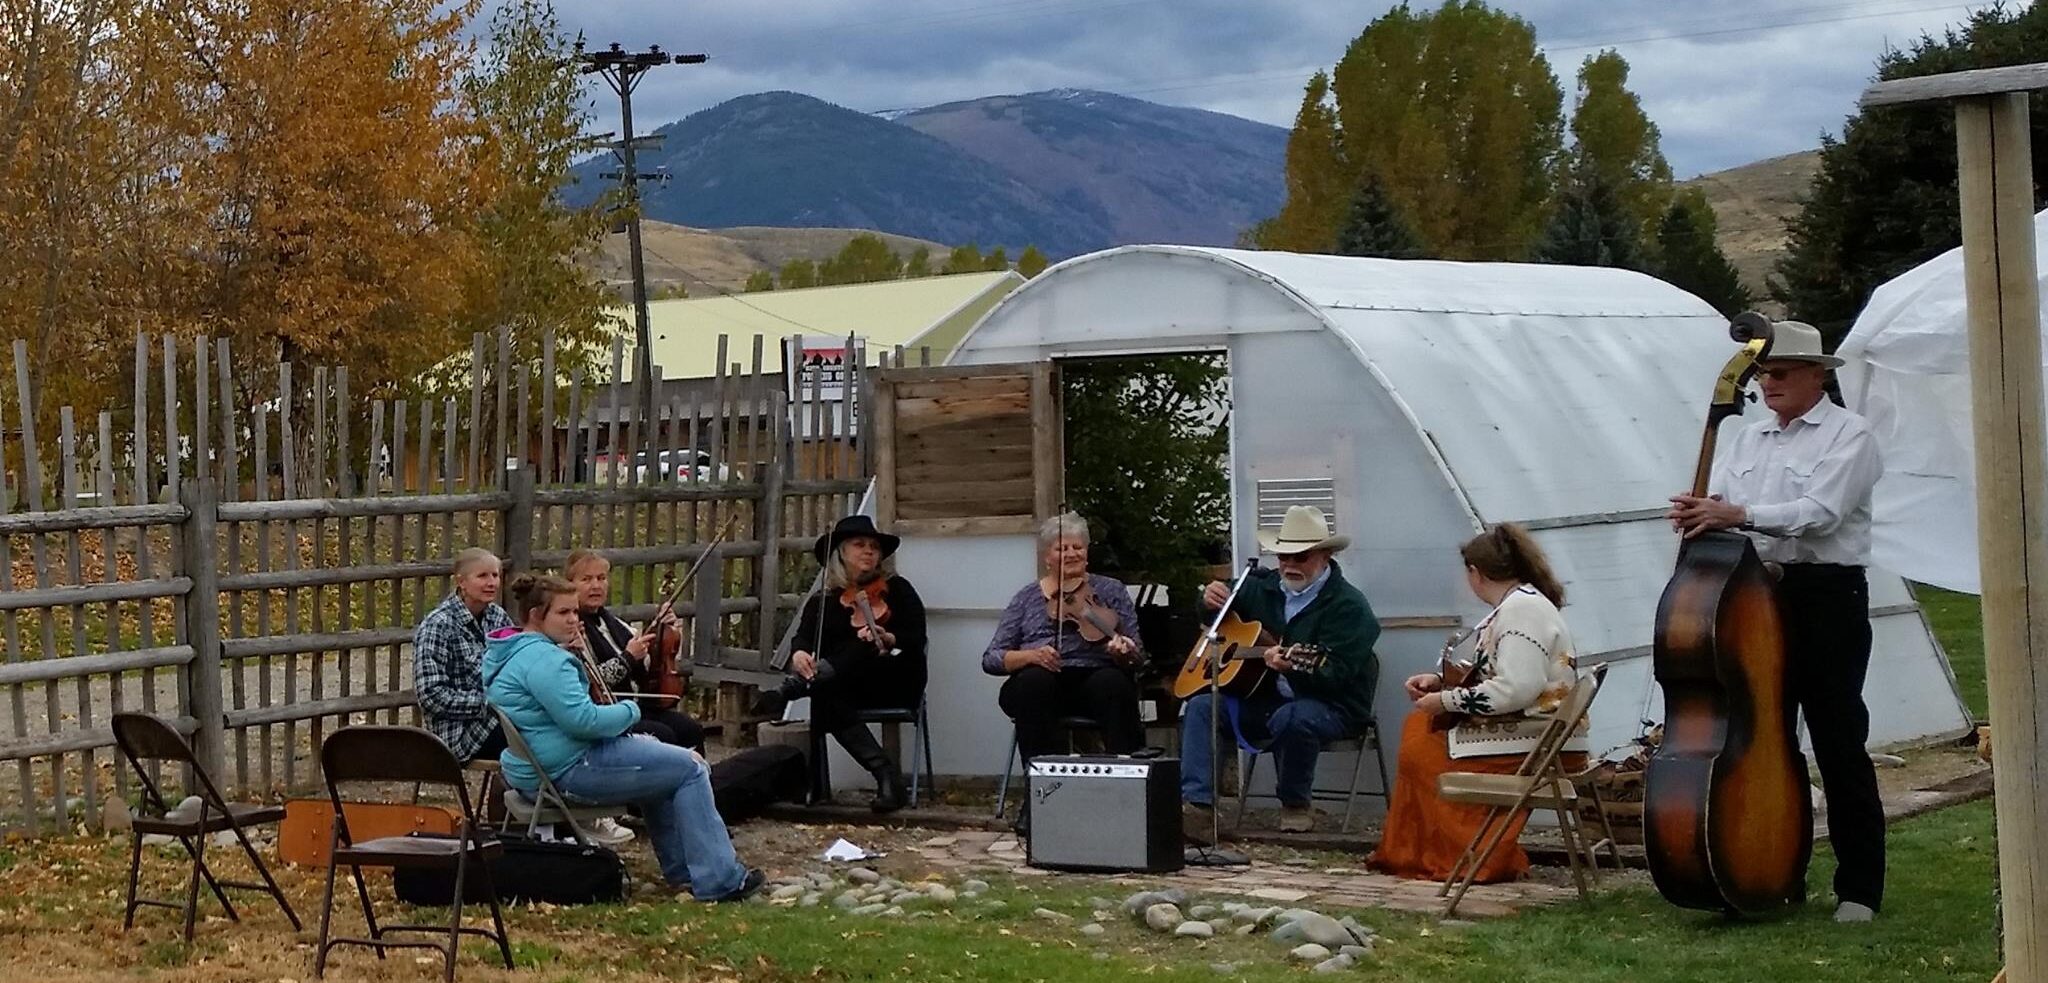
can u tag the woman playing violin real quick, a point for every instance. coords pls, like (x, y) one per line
(1068, 641)
(1523, 664)
(859, 646)
(619, 652)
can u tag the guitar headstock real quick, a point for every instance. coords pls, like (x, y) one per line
(1304, 656)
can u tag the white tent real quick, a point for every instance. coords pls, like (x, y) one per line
(1418, 400)
(1908, 371)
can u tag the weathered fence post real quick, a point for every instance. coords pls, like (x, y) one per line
(515, 527)
(198, 549)
(768, 529)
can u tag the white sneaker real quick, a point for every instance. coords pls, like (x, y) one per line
(607, 832)
(1849, 912)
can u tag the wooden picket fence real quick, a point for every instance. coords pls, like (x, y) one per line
(256, 581)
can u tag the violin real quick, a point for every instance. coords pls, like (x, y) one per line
(1727, 819)
(664, 652)
(1074, 603)
(869, 603)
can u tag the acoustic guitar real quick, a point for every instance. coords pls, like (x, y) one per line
(1243, 665)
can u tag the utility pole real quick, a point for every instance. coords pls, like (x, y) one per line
(622, 71)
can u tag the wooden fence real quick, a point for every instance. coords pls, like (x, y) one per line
(256, 580)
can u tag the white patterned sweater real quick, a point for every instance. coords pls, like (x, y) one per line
(1523, 663)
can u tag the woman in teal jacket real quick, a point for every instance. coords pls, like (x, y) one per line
(582, 745)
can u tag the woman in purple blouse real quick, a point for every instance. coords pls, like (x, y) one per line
(1053, 672)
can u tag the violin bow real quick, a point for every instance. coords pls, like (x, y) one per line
(692, 572)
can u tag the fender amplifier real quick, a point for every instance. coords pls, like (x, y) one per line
(1104, 813)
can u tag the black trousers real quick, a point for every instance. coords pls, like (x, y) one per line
(1036, 698)
(671, 727)
(1826, 612)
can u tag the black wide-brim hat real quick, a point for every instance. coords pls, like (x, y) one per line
(848, 528)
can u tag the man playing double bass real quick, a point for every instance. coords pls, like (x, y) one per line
(1798, 482)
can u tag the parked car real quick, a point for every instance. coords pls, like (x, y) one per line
(671, 465)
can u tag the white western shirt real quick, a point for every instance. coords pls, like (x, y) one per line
(1806, 484)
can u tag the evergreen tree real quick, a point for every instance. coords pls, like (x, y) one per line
(1374, 227)
(997, 259)
(1031, 262)
(1591, 227)
(1689, 258)
(1885, 198)
(760, 281)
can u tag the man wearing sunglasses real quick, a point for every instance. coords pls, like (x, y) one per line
(1798, 482)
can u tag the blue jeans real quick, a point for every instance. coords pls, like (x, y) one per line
(672, 787)
(1295, 731)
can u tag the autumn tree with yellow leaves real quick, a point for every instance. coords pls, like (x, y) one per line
(341, 182)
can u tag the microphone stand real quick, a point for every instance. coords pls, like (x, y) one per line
(1212, 854)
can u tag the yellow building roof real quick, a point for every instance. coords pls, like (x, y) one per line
(896, 312)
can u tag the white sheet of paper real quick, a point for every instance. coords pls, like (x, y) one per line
(842, 850)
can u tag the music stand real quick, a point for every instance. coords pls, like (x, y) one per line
(1213, 854)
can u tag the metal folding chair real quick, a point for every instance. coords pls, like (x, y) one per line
(1538, 783)
(548, 804)
(1368, 739)
(145, 738)
(407, 755)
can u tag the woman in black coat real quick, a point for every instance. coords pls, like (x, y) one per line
(844, 663)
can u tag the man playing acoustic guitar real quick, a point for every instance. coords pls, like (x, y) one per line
(1307, 602)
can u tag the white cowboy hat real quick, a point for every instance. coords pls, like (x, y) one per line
(1304, 528)
(1797, 341)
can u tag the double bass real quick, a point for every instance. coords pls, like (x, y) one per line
(1727, 819)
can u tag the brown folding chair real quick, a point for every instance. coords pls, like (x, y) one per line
(1539, 782)
(406, 755)
(145, 738)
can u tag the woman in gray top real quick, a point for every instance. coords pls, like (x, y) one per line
(1054, 672)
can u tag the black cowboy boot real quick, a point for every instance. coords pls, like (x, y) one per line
(868, 753)
(771, 702)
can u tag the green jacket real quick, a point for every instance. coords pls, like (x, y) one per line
(1339, 620)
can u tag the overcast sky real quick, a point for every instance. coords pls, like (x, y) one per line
(1728, 82)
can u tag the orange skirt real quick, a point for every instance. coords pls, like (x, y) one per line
(1423, 835)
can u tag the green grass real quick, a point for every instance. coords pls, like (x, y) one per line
(1960, 628)
(1937, 925)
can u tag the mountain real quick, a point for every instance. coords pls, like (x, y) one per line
(1752, 203)
(784, 159)
(1153, 173)
(1069, 171)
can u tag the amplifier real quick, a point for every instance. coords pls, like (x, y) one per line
(1096, 813)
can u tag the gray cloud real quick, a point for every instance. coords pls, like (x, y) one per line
(1728, 83)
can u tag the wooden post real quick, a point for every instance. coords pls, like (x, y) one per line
(1996, 185)
(768, 529)
(2005, 368)
(515, 526)
(202, 622)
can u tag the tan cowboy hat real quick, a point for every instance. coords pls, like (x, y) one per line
(1797, 341)
(1304, 528)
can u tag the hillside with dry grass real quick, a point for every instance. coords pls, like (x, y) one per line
(707, 262)
(1752, 204)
